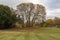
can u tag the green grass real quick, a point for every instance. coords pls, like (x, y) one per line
(38, 34)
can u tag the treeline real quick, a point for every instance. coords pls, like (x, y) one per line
(52, 22)
(26, 15)
(10, 19)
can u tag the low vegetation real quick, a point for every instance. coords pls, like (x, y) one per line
(37, 34)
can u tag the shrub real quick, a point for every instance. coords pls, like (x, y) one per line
(7, 19)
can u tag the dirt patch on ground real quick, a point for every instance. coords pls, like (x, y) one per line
(24, 29)
(28, 29)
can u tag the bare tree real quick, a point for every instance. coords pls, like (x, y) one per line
(31, 12)
(39, 14)
(26, 9)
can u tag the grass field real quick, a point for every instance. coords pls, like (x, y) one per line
(40, 34)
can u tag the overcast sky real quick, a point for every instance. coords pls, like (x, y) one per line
(52, 6)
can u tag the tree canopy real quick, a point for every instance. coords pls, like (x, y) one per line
(7, 19)
(31, 13)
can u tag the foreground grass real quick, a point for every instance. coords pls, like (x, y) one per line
(38, 34)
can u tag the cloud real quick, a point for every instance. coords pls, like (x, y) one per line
(14, 3)
(53, 13)
(11, 3)
(52, 6)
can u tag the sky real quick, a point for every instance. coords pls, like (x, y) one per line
(52, 6)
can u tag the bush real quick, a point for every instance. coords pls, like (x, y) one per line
(7, 19)
(58, 26)
(42, 24)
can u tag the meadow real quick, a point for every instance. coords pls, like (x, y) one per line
(36, 34)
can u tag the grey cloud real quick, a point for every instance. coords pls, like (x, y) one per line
(50, 17)
(53, 13)
(53, 4)
(11, 3)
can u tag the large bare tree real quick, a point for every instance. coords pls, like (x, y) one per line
(39, 14)
(26, 11)
(31, 13)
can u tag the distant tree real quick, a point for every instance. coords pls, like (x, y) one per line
(39, 14)
(26, 10)
(56, 21)
(48, 23)
(7, 18)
